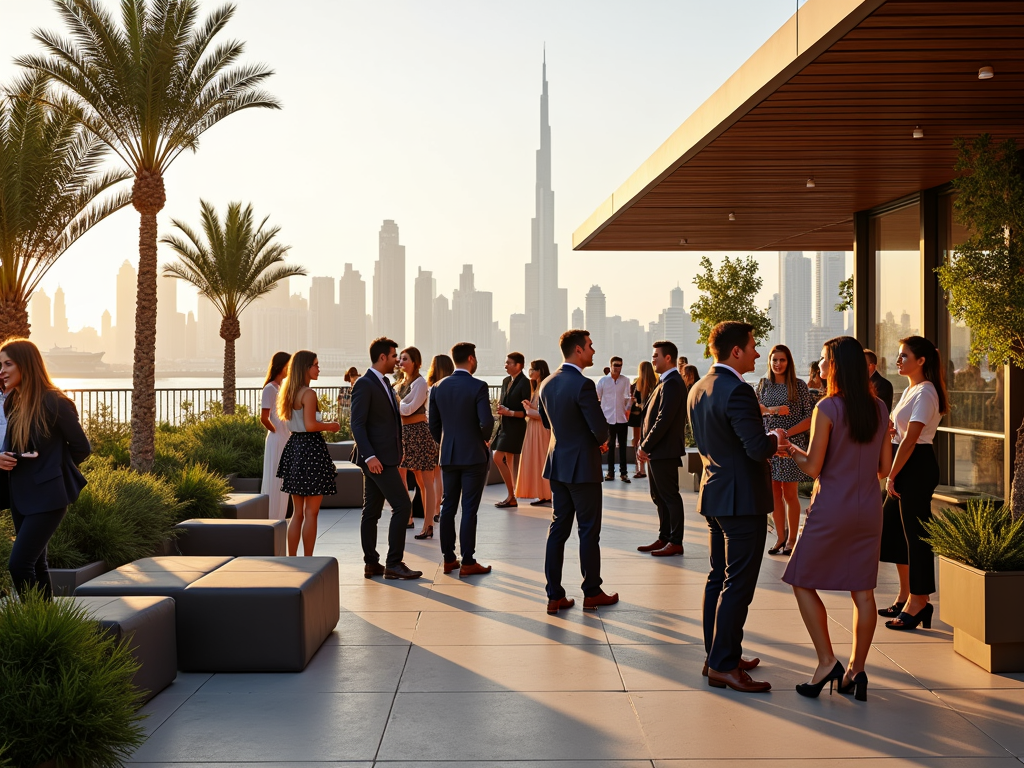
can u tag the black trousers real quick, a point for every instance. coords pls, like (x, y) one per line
(388, 486)
(28, 564)
(664, 481)
(581, 501)
(617, 432)
(903, 519)
(467, 483)
(737, 545)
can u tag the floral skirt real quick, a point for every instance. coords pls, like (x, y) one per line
(306, 467)
(421, 452)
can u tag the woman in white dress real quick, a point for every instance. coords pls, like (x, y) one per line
(277, 436)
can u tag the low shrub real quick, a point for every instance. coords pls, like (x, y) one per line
(6, 541)
(198, 491)
(226, 444)
(981, 535)
(66, 691)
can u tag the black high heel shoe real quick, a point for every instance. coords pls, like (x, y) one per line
(427, 534)
(811, 690)
(893, 610)
(858, 686)
(778, 549)
(905, 621)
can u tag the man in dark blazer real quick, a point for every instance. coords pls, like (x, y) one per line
(377, 431)
(508, 443)
(570, 409)
(735, 498)
(461, 422)
(883, 387)
(662, 444)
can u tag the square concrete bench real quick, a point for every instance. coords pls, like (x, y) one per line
(213, 536)
(151, 576)
(147, 624)
(246, 506)
(258, 614)
(350, 487)
(341, 451)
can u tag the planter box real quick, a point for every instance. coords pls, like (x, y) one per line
(64, 581)
(245, 484)
(983, 608)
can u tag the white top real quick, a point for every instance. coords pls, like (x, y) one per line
(615, 398)
(918, 403)
(268, 400)
(297, 423)
(417, 396)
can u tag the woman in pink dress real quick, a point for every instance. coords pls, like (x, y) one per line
(838, 548)
(530, 484)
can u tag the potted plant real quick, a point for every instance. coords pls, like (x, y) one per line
(981, 580)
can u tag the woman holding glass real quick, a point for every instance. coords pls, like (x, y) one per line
(531, 483)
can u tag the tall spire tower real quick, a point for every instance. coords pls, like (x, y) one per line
(547, 305)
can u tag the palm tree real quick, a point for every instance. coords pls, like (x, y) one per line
(50, 195)
(148, 88)
(232, 265)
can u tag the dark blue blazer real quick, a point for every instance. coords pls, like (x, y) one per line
(570, 409)
(460, 419)
(375, 421)
(663, 434)
(729, 431)
(52, 480)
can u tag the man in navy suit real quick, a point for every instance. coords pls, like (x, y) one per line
(579, 431)
(735, 498)
(461, 422)
(377, 431)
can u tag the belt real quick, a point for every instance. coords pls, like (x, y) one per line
(416, 418)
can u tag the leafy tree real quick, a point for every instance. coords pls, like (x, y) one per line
(984, 277)
(51, 194)
(728, 294)
(147, 87)
(845, 295)
(232, 264)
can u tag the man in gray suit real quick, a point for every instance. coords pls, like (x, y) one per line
(735, 498)
(579, 431)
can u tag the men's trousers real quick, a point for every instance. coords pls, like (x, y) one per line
(467, 483)
(582, 502)
(387, 486)
(617, 432)
(663, 475)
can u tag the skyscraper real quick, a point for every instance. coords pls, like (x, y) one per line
(547, 305)
(323, 321)
(579, 319)
(597, 321)
(472, 315)
(389, 285)
(39, 317)
(124, 314)
(424, 291)
(829, 271)
(352, 313)
(795, 303)
(444, 328)
(60, 318)
(170, 323)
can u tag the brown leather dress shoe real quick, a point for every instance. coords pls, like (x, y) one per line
(668, 550)
(375, 569)
(592, 603)
(473, 569)
(401, 571)
(452, 566)
(745, 664)
(554, 606)
(651, 547)
(738, 680)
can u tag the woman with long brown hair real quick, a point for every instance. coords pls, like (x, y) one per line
(306, 469)
(912, 481)
(643, 388)
(277, 435)
(838, 549)
(420, 452)
(42, 449)
(786, 403)
(440, 367)
(530, 482)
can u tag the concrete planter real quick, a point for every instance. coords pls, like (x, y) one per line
(245, 484)
(983, 608)
(64, 581)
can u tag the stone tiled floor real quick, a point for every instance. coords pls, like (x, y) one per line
(474, 672)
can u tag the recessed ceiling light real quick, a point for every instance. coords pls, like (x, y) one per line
(986, 73)
(918, 132)
(732, 216)
(810, 183)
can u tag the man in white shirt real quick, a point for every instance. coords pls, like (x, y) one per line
(616, 399)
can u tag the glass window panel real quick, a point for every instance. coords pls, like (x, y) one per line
(976, 463)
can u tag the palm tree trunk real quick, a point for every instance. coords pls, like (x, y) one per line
(148, 197)
(230, 330)
(13, 318)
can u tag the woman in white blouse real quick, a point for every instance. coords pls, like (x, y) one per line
(911, 482)
(277, 436)
(418, 446)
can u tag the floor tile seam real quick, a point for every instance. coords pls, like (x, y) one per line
(391, 706)
(180, 705)
(969, 722)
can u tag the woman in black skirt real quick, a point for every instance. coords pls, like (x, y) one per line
(911, 482)
(306, 468)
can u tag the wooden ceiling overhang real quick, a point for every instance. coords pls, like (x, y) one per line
(834, 95)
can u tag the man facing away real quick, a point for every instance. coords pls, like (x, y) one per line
(735, 498)
(461, 422)
(616, 399)
(508, 443)
(569, 408)
(883, 387)
(377, 431)
(662, 444)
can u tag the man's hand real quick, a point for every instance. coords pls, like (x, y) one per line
(7, 460)
(374, 466)
(641, 455)
(783, 441)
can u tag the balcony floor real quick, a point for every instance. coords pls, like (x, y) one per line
(475, 673)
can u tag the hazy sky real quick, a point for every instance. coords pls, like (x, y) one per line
(427, 112)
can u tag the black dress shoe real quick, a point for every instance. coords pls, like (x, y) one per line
(401, 571)
(624, 478)
(609, 477)
(373, 569)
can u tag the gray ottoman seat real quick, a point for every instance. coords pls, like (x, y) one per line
(151, 576)
(214, 536)
(258, 614)
(341, 451)
(147, 624)
(246, 506)
(350, 487)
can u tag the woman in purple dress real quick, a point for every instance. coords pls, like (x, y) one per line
(838, 548)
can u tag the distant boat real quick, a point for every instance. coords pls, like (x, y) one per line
(68, 361)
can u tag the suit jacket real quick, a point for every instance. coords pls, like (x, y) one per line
(883, 388)
(729, 431)
(461, 420)
(570, 409)
(513, 392)
(375, 422)
(52, 480)
(663, 433)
